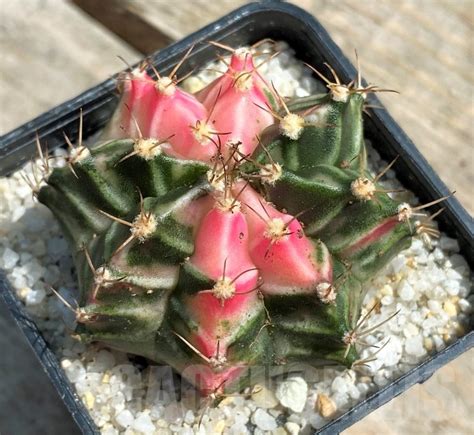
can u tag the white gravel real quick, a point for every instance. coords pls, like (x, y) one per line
(428, 287)
(292, 393)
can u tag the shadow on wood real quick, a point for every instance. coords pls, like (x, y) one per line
(117, 18)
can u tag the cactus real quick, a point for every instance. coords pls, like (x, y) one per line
(229, 229)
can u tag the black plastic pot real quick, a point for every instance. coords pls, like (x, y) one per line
(248, 24)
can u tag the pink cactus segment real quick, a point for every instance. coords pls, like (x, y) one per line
(222, 240)
(164, 112)
(221, 253)
(377, 233)
(257, 211)
(233, 100)
(138, 91)
(288, 265)
(182, 119)
(208, 381)
(241, 61)
(287, 260)
(236, 112)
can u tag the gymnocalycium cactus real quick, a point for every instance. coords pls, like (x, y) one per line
(228, 229)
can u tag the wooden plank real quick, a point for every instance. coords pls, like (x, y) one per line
(51, 51)
(178, 18)
(127, 25)
(150, 25)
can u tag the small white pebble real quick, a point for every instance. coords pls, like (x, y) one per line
(387, 300)
(410, 330)
(416, 318)
(189, 417)
(438, 342)
(397, 264)
(363, 388)
(449, 244)
(434, 306)
(341, 400)
(292, 393)
(76, 371)
(9, 259)
(414, 346)
(339, 385)
(317, 421)
(380, 379)
(450, 308)
(263, 420)
(458, 261)
(292, 428)
(143, 423)
(103, 360)
(35, 297)
(453, 274)
(452, 287)
(438, 255)
(354, 393)
(391, 353)
(193, 84)
(406, 291)
(65, 363)
(108, 429)
(125, 418)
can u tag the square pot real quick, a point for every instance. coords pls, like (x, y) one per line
(267, 19)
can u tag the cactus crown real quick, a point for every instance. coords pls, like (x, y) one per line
(229, 228)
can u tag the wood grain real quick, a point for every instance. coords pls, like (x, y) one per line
(178, 18)
(51, 51)
(126, 24)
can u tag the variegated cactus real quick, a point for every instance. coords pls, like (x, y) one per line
(229, 229)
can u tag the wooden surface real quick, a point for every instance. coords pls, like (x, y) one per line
(52, 50)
